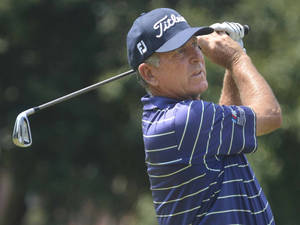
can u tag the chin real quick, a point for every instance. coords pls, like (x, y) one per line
(196, 95)
(202, 87)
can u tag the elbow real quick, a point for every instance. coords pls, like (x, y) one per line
(278, 118)
(269, 122)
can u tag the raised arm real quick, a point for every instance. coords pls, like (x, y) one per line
(252, 88)
(230, 93)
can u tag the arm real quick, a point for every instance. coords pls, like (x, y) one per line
(254, 91)
(257, 94)
(230, 94)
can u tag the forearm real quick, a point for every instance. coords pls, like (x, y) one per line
(256, 93)
(230, 94)
(253, 90)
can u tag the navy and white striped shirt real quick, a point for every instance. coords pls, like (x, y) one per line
(196, 164)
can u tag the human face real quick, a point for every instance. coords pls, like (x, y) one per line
(181, 73)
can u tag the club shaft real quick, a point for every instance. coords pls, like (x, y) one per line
(81, 91)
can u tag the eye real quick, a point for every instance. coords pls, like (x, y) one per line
(181, 50)
(195, 44)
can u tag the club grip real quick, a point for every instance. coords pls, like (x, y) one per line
(246, 29)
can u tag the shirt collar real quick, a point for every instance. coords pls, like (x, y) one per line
(153, 102)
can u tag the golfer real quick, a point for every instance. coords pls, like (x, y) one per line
(195, 149)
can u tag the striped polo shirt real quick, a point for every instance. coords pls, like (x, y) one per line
(194, 152)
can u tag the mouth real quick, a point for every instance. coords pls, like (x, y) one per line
(198, 74)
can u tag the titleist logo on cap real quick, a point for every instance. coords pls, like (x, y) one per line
(160, 30)
(165, 23)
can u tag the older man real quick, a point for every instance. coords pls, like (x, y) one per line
(195, 150)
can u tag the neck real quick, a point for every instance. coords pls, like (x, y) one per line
(154, 92)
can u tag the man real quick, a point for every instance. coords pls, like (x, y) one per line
(195, 149)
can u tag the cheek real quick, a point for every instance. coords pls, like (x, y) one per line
(204, 85)
(198, 84)
(174, 75)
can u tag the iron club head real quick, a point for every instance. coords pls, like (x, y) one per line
(21, 133)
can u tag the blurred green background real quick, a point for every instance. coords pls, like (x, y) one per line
(86, 164)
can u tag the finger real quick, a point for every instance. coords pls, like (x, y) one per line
(224, 27)
(237, 29)
(232, 30)
(241, 30)
(218, 26)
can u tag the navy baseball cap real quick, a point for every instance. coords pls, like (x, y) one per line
(160, 30)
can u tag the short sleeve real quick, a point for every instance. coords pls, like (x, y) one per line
(207, 128)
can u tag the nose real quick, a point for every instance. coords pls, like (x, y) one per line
(196, 56)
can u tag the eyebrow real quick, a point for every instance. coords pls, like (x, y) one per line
(193, 39)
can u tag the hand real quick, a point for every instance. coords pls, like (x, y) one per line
(235, 30)
(220, 49)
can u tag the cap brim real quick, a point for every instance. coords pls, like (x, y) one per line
(182, 37)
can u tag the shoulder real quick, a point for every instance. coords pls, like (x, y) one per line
(192, 112)
(193, 107)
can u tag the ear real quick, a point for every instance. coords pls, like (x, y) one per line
(147, 71)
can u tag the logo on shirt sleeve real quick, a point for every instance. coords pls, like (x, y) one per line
(238, 117)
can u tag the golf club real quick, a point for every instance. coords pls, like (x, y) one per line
(22, 133)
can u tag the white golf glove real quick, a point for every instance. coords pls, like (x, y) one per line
(234, 30)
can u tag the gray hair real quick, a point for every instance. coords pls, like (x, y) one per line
(152, 60)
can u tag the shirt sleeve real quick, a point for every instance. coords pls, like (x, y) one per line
(211, 129)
